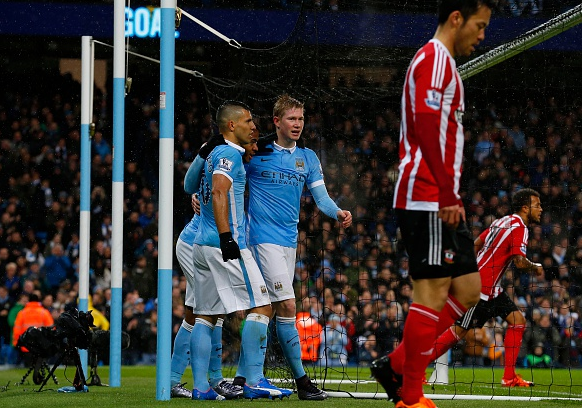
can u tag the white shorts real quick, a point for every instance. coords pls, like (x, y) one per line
(184, 253)
(225, 287)
(277, 264)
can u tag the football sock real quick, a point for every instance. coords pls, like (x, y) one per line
(513, 337)
(181, 354)
(215, 366)
(200, 346)
(289, 341)
(419, 336)
(254, 342)
(445, 342)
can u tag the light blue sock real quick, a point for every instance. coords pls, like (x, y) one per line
(181, 353)
(241, 369)
(200, 346)
(254, 341)
(215, 367)
(289, 341)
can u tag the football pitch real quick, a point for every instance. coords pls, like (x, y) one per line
(138, 389)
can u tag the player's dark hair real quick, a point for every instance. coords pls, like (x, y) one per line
(523, 197)
(228, 111)
(466, 7)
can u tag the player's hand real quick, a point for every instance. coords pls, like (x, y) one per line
(345, 218)
(452, 215)
(229, 247)
(539, 270)
(214, 141)
(196, 203)
(263, 142)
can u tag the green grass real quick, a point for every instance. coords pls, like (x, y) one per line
(138, 389)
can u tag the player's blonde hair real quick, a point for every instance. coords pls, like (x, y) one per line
(284, 103)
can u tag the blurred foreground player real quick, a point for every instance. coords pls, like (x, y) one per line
(427, 201)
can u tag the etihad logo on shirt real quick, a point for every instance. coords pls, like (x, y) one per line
(283, 178)
(224, 164)
(433, 99)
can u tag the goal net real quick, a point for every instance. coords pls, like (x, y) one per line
(523, 129)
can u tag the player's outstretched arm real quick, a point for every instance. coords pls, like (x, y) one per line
(324, 201)
(521, 262)
(345, 218)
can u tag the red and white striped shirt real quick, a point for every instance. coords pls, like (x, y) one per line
(504, 239)
(431, 132)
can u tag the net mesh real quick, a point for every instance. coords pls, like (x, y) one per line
(523, 123)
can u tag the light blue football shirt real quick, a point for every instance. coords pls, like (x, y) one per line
(189, 232)
(226, 160)
(276, 182)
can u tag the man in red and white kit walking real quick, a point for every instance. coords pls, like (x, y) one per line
(500, 244)
(430, 214)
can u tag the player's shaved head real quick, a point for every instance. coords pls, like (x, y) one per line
(229, 110)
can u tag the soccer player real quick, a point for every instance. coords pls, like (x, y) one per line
(184, 248)
(427, 202)
(500, 244)
(276, 182)
(227, 277)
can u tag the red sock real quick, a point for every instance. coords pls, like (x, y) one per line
(444, 343)
(512, 343)
(419, 335)
(397, 358)
(450, 313)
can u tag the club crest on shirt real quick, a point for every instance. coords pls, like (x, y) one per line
(433, 99)
(224, 164)
(299, 164)
(278, 286)
(449, 256)
(263, 290)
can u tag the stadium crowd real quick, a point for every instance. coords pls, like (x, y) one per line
(352, 284)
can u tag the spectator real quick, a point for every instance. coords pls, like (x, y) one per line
(57, 268)
(99, 146)
(537, 358)
(333, 351)
(476, 348)
(6, 303)
(310, 336)
(543, 332)
(32, 315)
(367, 349)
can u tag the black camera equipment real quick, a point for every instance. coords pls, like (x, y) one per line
(100, 346)
(71, 331)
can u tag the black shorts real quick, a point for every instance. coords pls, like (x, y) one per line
(478, 315)
(435, 251)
